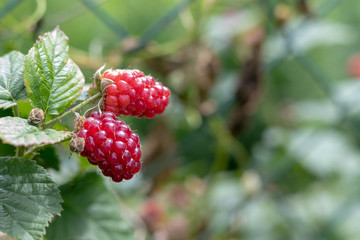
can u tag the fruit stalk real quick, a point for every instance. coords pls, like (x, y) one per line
(51, 122)
(20, 149)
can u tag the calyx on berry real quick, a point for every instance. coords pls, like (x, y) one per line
(79, 122)
(77, 144)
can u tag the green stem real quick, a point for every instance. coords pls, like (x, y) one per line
(16, 111)
(51, 122)
(20, 149)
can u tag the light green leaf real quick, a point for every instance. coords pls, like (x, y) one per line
(53, 80)
(18, 132)
(28, 198)
(91, 212)
(12, 88)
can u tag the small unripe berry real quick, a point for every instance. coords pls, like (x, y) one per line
(77, 144)
(36, 116)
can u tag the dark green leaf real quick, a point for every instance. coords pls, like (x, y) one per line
(12, 86)
(90, 212)
(53, 80)
(18, 132)
(48, 158)
(6, 149)
(28, 198)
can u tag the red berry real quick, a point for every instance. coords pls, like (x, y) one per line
(137, 166)
(113, 159)
(110, 144)
(95, 115)
(82, 133)
(89, 144)
(112, 89)
(123, 87)
(135, 94)
(99, 137)
(119, 147)
(137, 154)
(106, 146)
(117, 178)
(109, 128)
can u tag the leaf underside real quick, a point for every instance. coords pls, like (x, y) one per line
(19, 132)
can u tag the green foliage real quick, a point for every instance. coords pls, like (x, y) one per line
(291, 170)
(19, 132)
(53, 80)
(28, 198)
(90, 212)
(12, 87)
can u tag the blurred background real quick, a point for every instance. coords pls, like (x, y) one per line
(261, 139)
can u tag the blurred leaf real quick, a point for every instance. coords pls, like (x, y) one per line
(222, 29)
(227, 141)
(53, 80)
(163, 22)
(18, 132)
(316, 204)
(28, 198)
(228, 84)
(90, 212)
(106, 18)
(346, 94)
(84, 93)
(10, 4)
(12, 86)
(325, 152)
(68, 164)
(262, 220)
(293, 178)
(315, 111)
(235, 214)
(322, 152)
(303, 35)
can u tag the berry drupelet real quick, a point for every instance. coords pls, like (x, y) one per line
(111, 145)
(133, 93)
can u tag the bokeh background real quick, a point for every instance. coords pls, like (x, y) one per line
(261, 139)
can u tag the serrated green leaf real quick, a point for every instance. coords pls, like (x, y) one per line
(28, 198)
(19, 132)
(12, 88)
(53, 80)
(91, 212)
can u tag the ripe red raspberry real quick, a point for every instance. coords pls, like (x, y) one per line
(135, 94)
(110, 144)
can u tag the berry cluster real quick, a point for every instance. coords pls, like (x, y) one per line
(110, 144)
(107, 141)
(135, 94)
